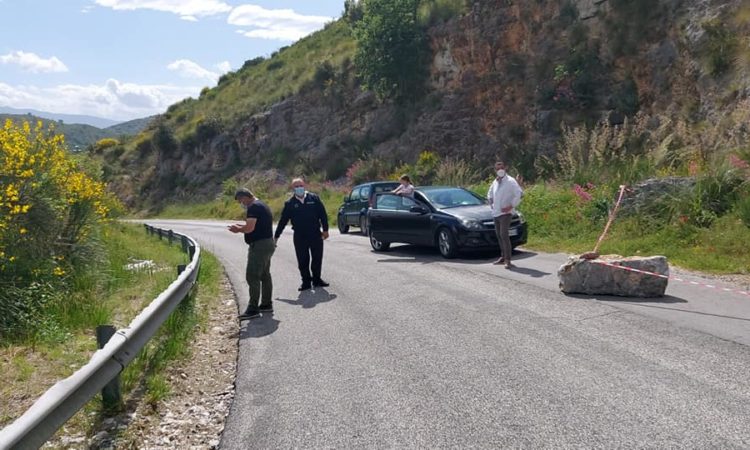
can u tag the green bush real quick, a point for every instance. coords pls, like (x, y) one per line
(720, 47)
(555, 212)
(103, 144)
(275, 64)
(626, 98)
(366, 170)
(392, 53)
(456, 172)
(252, 62)
(432, 12)
(743, 209)
(23, 309)
(165, 141)
(353, 11)
(630, 23)
(324, 73)
(208, 127)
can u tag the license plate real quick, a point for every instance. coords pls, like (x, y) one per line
(513, 232)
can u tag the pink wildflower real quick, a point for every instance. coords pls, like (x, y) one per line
(581, 193)
(738, 162)
(693, 168)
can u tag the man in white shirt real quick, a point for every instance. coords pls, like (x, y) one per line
(504, 196)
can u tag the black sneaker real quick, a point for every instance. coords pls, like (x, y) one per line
(304, 287)
(320, 283)
(249, 314)
(265, 308)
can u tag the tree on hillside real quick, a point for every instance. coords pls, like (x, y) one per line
(392, 49)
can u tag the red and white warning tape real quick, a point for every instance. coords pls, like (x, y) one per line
(682, 280)
(595, 254)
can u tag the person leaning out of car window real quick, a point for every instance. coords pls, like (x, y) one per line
(504, 196)
(405, 189)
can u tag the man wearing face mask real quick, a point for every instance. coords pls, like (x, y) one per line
(504, 196)
(308, 215)
(258, 228)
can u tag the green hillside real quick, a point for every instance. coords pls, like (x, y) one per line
(129, 128)
(262, 82)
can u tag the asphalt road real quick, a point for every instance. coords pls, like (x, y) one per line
(407, 350)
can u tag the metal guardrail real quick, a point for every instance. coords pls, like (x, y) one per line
(67, 396)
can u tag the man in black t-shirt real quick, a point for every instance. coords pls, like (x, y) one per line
(258, 230)
(308, 215)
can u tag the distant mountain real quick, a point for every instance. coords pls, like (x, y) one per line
(66, 118)
(79, 136)
(131, 127)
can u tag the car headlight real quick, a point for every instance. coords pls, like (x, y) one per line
(472, 224)
(520, 217)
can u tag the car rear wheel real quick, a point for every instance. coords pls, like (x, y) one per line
(379, 246)
(363, 225)
(343, 227)
(447, 243)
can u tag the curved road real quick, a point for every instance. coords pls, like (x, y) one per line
(407, 350)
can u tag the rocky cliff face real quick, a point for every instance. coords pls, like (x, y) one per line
(504, 78)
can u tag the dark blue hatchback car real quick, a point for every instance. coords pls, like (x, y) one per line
(449, 218)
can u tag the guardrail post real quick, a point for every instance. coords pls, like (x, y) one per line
(170, 236)
(181, 268)
(191, 251)
(184, 242)
(111, 396)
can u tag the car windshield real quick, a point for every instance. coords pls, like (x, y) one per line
(451, 197)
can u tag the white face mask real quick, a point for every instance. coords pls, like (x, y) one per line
(501, 173)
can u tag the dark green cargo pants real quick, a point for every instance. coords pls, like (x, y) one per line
(258, 273)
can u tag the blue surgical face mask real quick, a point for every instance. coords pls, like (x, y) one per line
(299, 191)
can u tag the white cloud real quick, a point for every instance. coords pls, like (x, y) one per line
(277, 24)
(190, 69)
(186, 9)
(114, 99)
(34, 63)
(224, 67)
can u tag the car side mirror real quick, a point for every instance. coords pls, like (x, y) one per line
(418, 209)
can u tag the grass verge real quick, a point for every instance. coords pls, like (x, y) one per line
(114, 296)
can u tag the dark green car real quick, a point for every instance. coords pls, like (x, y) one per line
(353, 212)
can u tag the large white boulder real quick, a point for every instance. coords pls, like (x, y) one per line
(598, 277)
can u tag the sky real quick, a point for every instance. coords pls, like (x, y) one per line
(126, 59)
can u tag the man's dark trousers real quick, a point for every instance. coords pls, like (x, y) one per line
(306, 247)
(258, 273)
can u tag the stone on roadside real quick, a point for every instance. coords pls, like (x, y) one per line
(591, 277)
